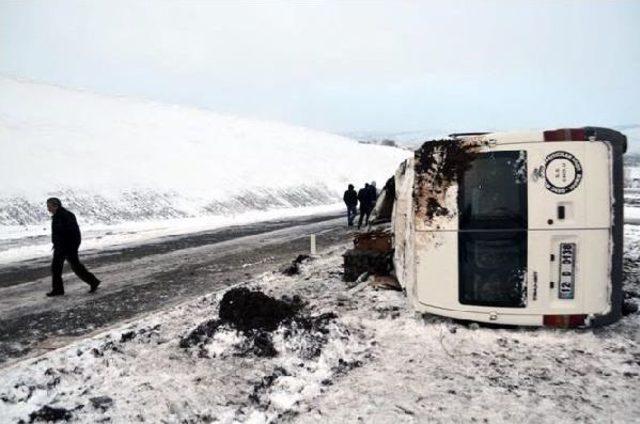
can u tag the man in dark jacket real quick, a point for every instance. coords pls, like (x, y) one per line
(351, 200)
(364, 196)
(65, 235)
(373, 194)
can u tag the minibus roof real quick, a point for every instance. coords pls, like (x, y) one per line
(558, 134)
(503, 137)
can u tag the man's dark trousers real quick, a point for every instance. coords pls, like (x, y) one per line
(365, 211)
(71, 256)
(352, 211)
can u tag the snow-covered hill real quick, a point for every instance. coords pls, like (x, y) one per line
(115, 159)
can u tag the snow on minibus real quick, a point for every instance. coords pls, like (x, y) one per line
(513, 228)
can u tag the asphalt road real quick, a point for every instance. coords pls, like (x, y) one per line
(145, 278)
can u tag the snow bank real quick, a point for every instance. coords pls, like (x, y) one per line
(115, 159)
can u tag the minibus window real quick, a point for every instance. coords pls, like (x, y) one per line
(492, 268)
(492, 238)
(493, 192)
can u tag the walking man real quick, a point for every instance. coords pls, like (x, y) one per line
(65, 235)
(351, 200)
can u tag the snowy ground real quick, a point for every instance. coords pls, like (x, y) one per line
(376, 361)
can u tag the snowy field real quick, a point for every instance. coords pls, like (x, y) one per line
(354, 355)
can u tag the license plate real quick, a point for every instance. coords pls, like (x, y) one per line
(567, 270)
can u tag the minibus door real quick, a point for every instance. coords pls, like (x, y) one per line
(492, 234)
(569, 226)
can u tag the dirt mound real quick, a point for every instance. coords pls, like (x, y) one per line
(50, 414)
(253, 310)
(256, 315)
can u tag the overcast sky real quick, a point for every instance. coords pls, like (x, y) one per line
(344, 65)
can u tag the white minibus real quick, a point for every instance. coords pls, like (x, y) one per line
(514, 228)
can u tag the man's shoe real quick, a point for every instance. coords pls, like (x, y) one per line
(94, 286)
(54, 293)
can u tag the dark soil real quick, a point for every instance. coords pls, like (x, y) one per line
(294, 268)
(251, 312)
(202, 332)
(258, 343)
(248, 310)
(357, 262)
(261, 387)
(101, 402)
(315, 331)
(256, 315)
(49, 414)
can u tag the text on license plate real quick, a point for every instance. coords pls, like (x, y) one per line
(567, 270)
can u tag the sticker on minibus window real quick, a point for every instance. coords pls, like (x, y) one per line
(563, 172)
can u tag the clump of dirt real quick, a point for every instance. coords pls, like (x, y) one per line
(247, 310)
(294, 268)
(258, 343)
(439, 164)
(202, 332)
(127, 336)
(312, 330)
(256, 315)
(50, 414)
(260, 387)
(101, 402)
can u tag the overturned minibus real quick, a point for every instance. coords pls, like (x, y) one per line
(513, 228)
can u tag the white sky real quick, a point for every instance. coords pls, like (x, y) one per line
(344, 65)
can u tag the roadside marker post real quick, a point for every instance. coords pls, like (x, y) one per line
(313, 244)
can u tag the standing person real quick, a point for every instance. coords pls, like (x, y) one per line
(364, 196)
(65, 235)
(373, 194)
(351, 200)
(372, 197)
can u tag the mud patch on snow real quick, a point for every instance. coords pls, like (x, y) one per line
(253, 310)
(438, 165)
(294, 268)
(254, 316)
(48, 414)
(301, 354)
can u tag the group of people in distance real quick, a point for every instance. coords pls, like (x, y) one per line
(367, 197)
